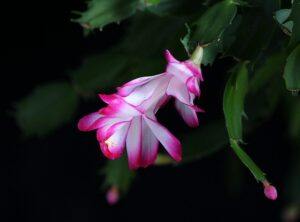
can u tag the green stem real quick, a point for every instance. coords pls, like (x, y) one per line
(247, 161)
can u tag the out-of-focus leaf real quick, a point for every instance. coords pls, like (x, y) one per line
(46, 108)
(199, 143)
(117, 174)
(177, 8)
(98, 72)
(233, 100)
(293, 180)
(272, 67)
(146, 43)
(247, 161)
(204, 141)
(265, 90)
(103, 12)
(253, 35)
(186, 39)
(295, 17)
(214, 21)
(210, 53)
(281, 16)
(292, 70)
(294, 120)
(152, 2)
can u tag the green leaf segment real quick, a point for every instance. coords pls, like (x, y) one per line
(233, 106)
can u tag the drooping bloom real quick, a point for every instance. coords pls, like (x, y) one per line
(129, 118)
(121, 124)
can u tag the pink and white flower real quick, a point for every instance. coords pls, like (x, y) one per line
(121, 124)
(129, 119)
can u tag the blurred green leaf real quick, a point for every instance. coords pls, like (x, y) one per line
(292, 70)
(186, 39)
(272, 67)
(98, 72)
(210, 53)
(103, 12)
(199, 143)
(214, 21)
(155, 34)
(293, 179)
(281, 16)
(118, 174)
(233, 100)
(204, 141)
(265, 89)
(295, 17)
(180, 8)
(294, 120)
(252, 36)
(46, 108)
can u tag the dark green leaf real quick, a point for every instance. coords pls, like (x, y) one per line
(295, 17)
(206, 140)
(186, 39)
(214, 21)
(253, 35)
(103, 12)
(98, 72)
(292, 70)
(200, 143)
(265, 90)
(281, 17)
(176, 8)
(46, 108)
(233, 100)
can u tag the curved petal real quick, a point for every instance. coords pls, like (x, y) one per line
(119, 108)
(179, 70)
(108, 98)
(193, 86)
(179, 90)
(149, 146)
(188, 114)
(134, 142)
(106, 125)
(169, 57)
(145, 91)
(167, 139)
(113, 145)
(88, 122)
(128, 87)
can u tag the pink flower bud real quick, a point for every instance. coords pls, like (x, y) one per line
(112, 196)
(270, 191)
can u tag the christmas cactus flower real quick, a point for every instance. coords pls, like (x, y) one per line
(121, 124)
(129, 119)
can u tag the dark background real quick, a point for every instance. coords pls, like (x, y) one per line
(57, 179)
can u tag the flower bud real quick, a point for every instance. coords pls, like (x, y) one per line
(112, 195)
(270, 191)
